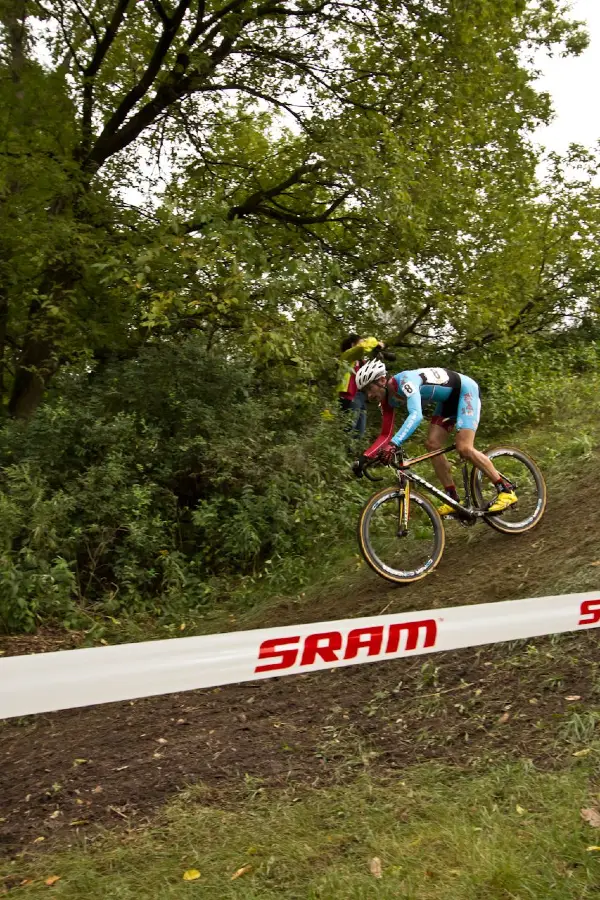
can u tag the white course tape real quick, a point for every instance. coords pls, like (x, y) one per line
(73, 678)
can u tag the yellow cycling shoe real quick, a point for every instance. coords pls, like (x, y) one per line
(445, 509)
(503, 501)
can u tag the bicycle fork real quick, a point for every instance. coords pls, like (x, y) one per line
(403, 505)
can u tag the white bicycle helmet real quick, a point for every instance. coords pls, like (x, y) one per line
(371, 371)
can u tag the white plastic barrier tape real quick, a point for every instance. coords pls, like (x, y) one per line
(72, 678)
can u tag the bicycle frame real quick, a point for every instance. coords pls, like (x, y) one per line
(466, 511)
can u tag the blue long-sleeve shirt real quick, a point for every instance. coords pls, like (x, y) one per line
(412, 388)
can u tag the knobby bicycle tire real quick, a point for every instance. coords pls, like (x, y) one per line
(506, 525)
(396, 575)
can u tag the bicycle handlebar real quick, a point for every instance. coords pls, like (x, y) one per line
(370, 477)
(377, 462)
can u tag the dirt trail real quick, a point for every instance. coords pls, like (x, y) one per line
(64, 773)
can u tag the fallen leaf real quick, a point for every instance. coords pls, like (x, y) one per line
(161, 741)
(38, 840)
(573, 697)
(25, 882)
(585, 752)
(595, 563)
(504, 718)
(79, 822)
(79, 762)
(191, 875)
(591, 816)
(55, 814)
(520, 810)
(240, 872)
(592, 848)
(2, 652)
(97, 790)
(52, 880)
(375, 867)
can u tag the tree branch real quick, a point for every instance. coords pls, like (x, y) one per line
(89, 22)
(201, 26)
(275, 101)
(107, 39)
(410, 329)
(178, 82)
(293, 219)
(92, 69)
(160, 11)
(106, 144)
(252, 203)
(60, 19)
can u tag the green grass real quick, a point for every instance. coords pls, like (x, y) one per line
(511, 833)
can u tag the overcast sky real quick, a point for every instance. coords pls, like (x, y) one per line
(574, 84)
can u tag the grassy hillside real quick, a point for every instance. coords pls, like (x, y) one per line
(460, 775)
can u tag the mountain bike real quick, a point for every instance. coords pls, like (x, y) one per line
(400, 532)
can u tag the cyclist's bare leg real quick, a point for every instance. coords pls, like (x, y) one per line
(436, 439)
(465, 439)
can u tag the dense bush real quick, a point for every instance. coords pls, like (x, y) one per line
(154, 485)
(139, 488)
(530, 382)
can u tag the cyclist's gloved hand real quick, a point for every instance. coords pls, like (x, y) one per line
(388, 453)
(359, 466)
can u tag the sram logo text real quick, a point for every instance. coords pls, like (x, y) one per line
(335, 646)
(589, 612)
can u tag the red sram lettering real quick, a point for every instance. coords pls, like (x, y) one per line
(271, 649)
(324, 645)
(413, 630)
(334, 646)
(371, 638)
(589, 612)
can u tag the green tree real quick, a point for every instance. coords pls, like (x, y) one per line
(317, 150)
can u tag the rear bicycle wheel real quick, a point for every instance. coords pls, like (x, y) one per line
(530, 488)
(396, 557)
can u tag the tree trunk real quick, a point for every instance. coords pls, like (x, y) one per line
(3, 326)
(35, 368)
(13, 13)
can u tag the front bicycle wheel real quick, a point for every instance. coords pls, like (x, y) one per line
(399, 557)
(530, 488)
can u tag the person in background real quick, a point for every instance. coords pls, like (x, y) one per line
(355, 350)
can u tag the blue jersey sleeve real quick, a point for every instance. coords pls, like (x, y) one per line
(409, 388)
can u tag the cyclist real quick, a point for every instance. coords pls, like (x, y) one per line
(457, 405)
